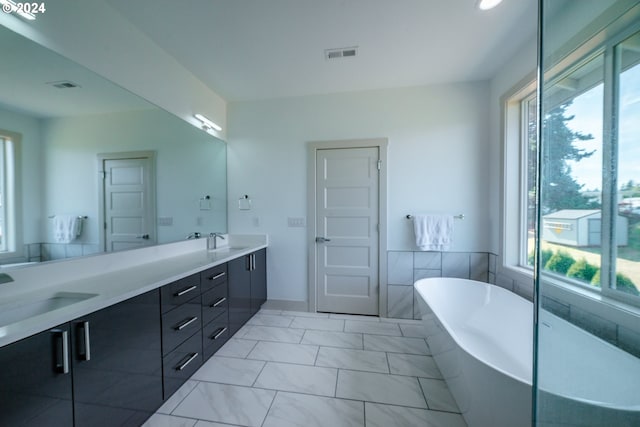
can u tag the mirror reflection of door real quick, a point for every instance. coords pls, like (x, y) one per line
(128, 187)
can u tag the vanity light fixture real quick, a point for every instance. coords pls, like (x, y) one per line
(487, 4)
(206, 123)
(9, 6)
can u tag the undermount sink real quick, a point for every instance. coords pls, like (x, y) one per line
(15, 312)
(228, 249)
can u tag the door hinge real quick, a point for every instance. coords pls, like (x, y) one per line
(379, 164)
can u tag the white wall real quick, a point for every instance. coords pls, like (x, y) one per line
(439, 159)
(95, 35)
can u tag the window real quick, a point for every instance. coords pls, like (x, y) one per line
(7, 194)
(590, 174)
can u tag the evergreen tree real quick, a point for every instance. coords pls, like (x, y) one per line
(559, 189)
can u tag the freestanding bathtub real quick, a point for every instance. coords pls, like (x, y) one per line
(481, 337)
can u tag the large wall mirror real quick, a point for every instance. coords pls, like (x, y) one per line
(76, 146)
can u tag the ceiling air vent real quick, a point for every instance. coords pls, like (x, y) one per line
(64, 84)
(343, 52)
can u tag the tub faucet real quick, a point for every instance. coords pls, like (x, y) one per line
(213, 241)
(194, 235)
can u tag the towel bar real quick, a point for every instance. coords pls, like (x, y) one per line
(79, 216)
(460, 216)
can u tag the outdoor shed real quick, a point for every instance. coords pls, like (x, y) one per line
(580, 227)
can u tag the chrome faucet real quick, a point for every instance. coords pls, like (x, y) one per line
(194, 235)
(213, 240)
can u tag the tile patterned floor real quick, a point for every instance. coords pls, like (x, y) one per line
(294, 369)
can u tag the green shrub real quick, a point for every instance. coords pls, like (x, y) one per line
(560, 262)
(545, 254)
(623, 283)
(582, 270)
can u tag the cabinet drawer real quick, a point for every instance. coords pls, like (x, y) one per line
(214, 335)
(180, 291)
(213, 276)
(214, 303)
(181, 363)
(180, 323)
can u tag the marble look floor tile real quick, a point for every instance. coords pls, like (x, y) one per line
(270, 320)
(295, 410)
(227, 404)
(396, 344)
(272, 333)
(201, 423)
(379, 328)
(305, 314)
(378, 415)
(380, 388)
(354, 317)
(298, 378)
(413, 365)
(333, 339)
(284, 352)
(438, 396)
(161, 420)
(359, 360)
(177, 397)
(416, 330)
(237, 347)
(317, 324)
(229, 370)
(404, 321)
(269, 311)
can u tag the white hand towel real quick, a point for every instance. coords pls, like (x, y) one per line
(433, 232)
(66, 228)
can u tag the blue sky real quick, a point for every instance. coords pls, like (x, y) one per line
(587, 109)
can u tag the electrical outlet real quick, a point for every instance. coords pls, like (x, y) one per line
(165, 221)
(296, 222)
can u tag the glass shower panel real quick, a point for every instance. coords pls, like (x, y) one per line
(587, 360)
(628, 166)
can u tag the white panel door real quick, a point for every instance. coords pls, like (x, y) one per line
(347, 184)
(129, 212)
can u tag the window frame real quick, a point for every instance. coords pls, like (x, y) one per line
(12, 231)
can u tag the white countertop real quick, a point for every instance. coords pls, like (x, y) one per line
(105, 280)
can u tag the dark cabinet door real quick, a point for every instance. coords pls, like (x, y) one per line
(117, 363)
(35, 381)
(239, 292)
(258, 280)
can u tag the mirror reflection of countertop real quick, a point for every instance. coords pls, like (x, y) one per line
(43, 296)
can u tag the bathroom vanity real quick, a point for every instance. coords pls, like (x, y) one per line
(109, 348)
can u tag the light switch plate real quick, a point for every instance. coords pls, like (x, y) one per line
(296, 222)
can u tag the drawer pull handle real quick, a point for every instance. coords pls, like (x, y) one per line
(62, 351)
(217, 303)
(84, 341)
(186, 323)
(217, 276)
(185, 291)
(190, 359)
(218, 333)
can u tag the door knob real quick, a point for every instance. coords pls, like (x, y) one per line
(144, 236)
(322, 240)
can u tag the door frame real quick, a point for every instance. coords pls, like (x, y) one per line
(312, 151)
(151, 155)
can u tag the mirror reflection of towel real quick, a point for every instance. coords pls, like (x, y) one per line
(433, 232)
(66, 228)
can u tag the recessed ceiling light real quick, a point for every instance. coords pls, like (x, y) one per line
(488, 4)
